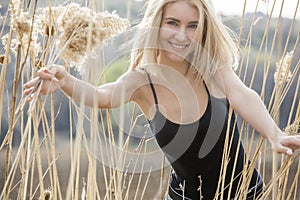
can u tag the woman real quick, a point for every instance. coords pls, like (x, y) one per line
(181, 77)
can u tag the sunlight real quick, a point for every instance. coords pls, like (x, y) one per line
(236, 7)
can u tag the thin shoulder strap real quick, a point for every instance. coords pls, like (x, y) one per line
(152, 88)
(206, 87)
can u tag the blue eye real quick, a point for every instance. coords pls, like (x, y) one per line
(193, 26)
(172, 23)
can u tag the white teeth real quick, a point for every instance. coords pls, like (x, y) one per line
(178, 46)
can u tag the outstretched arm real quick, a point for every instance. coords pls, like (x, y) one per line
(105, 96)
(248, 104)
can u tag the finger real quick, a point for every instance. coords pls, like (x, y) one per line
(285, 150)
(292, 142)
(47, 74)
(28, 91)
(289, 152)
(58, 71)
(32, 82)
(31, 90)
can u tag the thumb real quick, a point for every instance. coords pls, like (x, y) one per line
(58, 71)
(284, 150)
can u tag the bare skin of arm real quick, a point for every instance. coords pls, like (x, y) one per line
(245, 101)
(108, 95)
(248, 104)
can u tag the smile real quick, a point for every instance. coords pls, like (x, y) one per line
(179, 46)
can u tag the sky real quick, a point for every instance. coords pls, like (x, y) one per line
(265, 6)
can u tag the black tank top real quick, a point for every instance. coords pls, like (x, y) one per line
(195, 150)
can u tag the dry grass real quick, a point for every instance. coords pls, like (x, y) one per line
(78, 168)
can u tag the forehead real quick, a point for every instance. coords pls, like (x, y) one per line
(181, 10)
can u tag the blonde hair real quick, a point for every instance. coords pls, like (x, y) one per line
(215, 45)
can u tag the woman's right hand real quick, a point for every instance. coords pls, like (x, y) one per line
(53, 79)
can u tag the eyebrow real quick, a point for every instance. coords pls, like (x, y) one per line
(174, 19)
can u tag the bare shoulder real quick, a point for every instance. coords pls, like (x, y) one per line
(216, 85)
(222, 82)
(132, 78)
(134, 82)
(227, 81)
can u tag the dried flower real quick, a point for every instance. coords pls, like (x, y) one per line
(39, 63)
(13, 46)
(21, 24)
(2, 59)
(26, 33)
(49, 18)
(47, 195)
(283, 73)
(49, 30)
(76, 30)
(14, 8)
(293, 128)
(81, 30)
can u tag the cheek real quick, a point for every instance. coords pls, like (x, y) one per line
(165, 33)
(162, 39)
(192, 35)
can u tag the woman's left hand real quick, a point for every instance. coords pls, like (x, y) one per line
(284, 143)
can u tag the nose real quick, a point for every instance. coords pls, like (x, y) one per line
(180, 35)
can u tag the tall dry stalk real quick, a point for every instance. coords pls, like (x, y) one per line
(280, 95)
(38, 169)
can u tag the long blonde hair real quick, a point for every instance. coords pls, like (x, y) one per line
(215, 47)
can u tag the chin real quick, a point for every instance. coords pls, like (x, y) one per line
(176, 57)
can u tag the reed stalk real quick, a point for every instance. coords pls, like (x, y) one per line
(30, 162)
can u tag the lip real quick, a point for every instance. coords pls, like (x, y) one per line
(179, 47)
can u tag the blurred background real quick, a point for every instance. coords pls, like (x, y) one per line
(263, 41)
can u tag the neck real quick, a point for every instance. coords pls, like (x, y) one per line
(181, 67)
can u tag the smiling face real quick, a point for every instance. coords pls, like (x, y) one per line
(177, 34)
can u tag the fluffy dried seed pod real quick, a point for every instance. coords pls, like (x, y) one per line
(22, 24)
(47, 195)
(2, 57)
(293, 128)
(81, 30)
(49, 30)
(39, 64)
(283, 73)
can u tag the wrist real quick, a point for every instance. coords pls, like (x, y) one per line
(65, 82)
(273, 135)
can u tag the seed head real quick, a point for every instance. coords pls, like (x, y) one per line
(21, 24)
(293, 128)
(2, 59)
(47, 195)
(80, 30)
(283, 73)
